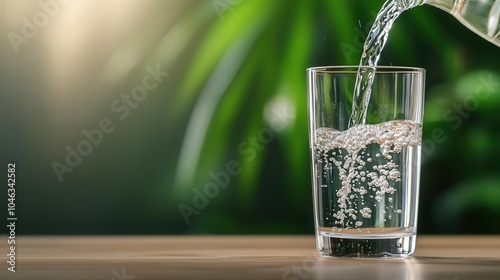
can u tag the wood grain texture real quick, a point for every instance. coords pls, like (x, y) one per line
(242, 257)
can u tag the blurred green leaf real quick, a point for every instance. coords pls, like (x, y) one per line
(469, 206)
(256, 58)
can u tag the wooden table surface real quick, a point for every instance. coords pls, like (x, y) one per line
(242, 257)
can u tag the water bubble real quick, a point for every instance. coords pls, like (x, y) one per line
(394, 174)
(366, 212)
(350, 150)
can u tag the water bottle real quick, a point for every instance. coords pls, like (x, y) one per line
(480, 16)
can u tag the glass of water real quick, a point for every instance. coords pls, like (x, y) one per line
(366, 177)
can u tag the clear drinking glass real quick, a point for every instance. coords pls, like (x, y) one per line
(365, 178)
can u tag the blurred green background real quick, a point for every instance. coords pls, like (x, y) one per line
(234, 68)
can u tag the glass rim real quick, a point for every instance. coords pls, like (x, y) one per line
(350, 69)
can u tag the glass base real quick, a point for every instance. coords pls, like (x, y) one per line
(366, 248)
